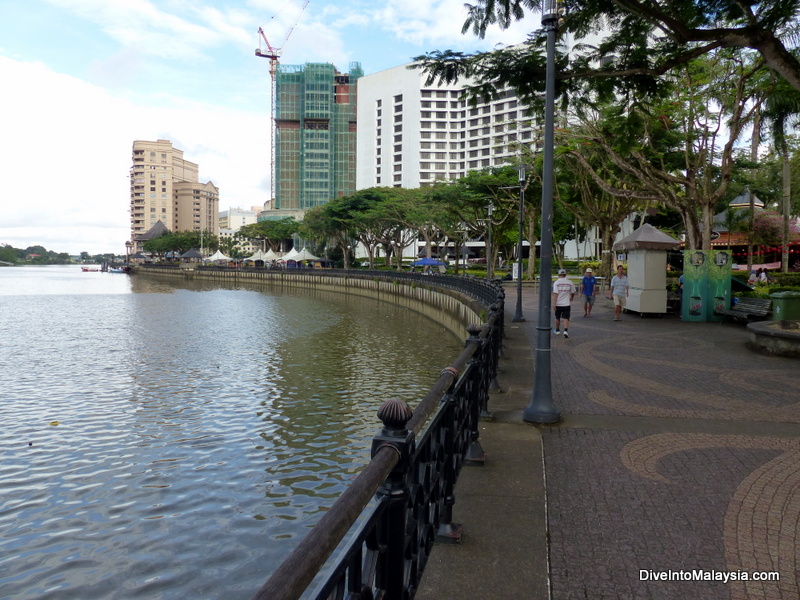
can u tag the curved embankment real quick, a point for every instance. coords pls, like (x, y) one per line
(451, 308)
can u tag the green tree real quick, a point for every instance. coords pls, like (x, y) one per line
(373, 217)
(681, 151)
(273, 232)
(641, 41)
(8, 254)
(332, 221)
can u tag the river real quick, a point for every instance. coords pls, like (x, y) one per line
(175, 441)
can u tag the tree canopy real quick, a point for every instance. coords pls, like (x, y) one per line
(639, 41)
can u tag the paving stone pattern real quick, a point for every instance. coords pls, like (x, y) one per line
(714, 499)
(679, 450)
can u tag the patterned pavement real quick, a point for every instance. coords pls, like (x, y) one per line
(679, 453)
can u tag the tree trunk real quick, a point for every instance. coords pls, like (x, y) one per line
(532, 239)
(607, 260)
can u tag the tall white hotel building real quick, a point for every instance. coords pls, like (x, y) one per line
(411, 134)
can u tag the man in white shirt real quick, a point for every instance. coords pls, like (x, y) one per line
(563, 293)
(619, 291)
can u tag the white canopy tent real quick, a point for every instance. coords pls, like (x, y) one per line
(257, 255)
(305, 255)
(290, 255)
(218, 255)
(271, 255)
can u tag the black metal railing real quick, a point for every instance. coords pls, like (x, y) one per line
(416, 459)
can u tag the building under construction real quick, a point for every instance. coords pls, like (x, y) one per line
(315, 136)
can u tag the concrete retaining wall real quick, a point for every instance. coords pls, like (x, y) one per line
(447, 307)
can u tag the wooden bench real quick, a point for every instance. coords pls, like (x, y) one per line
(749, 309)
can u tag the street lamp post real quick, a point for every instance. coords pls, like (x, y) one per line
(541, 408)
(518, 317)
(489, 264)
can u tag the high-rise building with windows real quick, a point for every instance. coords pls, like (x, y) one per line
(411, 134)
(165, 188)
(315, 137)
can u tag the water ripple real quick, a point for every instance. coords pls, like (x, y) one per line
(179, 442)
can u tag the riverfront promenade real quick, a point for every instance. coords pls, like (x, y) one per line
(679, 450)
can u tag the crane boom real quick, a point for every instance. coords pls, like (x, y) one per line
(274, 54)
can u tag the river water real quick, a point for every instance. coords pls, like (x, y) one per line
(175, 441)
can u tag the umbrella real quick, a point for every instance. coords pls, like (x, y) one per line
(424, 262)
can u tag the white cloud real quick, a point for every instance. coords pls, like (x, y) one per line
(66, 184)
(142, 25)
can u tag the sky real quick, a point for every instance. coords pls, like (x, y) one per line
(82, 79)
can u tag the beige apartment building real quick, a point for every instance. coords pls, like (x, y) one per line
(165, 188)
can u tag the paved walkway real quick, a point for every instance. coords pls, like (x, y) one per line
(679, 451)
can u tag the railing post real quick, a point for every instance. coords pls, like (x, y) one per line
(477, 397)
(391, 573)
(493, 356)
(449, 532)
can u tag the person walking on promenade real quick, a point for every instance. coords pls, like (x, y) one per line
(619, 291)
(588, 291)
(563, 294)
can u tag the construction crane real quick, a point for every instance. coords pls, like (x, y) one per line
(274, 54)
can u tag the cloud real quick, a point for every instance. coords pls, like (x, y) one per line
(142, 25)
(67, 167)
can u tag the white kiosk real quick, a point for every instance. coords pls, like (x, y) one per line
(647, 268)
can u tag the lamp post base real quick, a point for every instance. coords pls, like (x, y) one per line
(537, 415)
